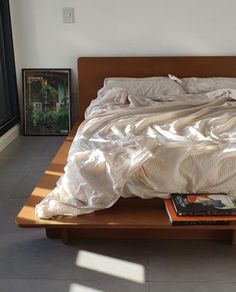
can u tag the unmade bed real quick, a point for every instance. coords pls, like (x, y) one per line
(135, 216)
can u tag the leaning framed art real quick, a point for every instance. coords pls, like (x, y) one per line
(47, 99)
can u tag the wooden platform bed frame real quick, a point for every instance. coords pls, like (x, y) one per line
(134, 217)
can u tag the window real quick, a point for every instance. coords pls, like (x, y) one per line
(9, 111)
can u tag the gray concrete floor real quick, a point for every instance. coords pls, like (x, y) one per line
(31, 262)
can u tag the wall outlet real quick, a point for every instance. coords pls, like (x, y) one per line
(68, 14)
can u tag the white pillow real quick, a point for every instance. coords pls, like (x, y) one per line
(203, 85)
(147, 87)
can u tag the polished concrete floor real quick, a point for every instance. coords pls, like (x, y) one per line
(31, 262)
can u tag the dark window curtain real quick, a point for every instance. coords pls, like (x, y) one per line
(9, 110)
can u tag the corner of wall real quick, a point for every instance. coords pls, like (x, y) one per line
(9, 136)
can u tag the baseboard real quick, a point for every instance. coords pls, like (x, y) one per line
(9, 136)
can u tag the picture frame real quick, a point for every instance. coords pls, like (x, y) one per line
(47, 101)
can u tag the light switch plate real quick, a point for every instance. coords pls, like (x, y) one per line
(68, 14)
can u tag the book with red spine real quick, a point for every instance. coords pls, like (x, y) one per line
(195, 220)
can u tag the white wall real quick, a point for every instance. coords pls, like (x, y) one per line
(119, 28)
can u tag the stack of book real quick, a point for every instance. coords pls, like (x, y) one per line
(201, 209)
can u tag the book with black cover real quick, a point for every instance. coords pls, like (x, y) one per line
(204, 204)
(195, 220)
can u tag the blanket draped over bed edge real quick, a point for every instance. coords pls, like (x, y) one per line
(147, 147)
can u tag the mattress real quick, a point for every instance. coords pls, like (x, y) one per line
(147, 146)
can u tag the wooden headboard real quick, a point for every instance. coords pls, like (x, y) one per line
(93, 70)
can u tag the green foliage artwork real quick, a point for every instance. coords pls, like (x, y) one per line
(46, 101)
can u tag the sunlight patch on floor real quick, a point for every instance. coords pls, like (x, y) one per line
(55, 173)
(81, 288)
(111, 266)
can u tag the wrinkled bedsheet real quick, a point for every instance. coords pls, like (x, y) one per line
(147, 147)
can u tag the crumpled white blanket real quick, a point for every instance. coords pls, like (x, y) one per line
(147, 147)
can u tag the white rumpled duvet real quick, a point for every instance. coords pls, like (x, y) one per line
(147, 147)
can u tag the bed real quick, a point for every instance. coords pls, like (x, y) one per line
(148, 218)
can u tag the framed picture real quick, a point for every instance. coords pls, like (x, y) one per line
(47, 95)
